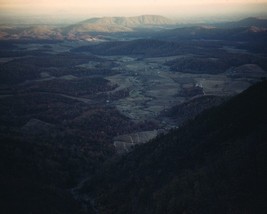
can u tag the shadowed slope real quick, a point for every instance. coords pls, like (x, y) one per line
(213, 164)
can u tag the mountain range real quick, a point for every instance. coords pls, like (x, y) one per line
(84, 29)
(119, 24)
(94, 28)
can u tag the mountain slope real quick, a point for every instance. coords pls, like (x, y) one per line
(247, 22)
(213, 164)
(119, 24)
(248, 33)
(131, 21)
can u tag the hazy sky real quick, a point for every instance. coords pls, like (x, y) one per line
(91, 8)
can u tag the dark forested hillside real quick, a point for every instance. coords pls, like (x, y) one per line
(140, 47)
(190, 109)
(215, 163)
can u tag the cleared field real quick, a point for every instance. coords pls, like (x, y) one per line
(154, 88)
(125, 143)
(140, 88)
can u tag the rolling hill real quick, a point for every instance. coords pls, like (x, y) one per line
(140, 47)
(248, 33)
(247, 22)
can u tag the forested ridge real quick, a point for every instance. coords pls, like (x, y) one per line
(213, 164)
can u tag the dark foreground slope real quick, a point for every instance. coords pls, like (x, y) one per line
(214, 164)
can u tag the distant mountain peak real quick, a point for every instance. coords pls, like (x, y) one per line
(120, 24)
(131, 21)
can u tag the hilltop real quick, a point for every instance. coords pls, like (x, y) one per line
(118, 24)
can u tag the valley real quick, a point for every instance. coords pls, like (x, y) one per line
(85, 95)
(140, 88)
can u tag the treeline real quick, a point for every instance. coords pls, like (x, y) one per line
(214, 63)
(33, 63)
(87, 87)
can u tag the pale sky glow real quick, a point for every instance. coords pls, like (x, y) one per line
(90, 8)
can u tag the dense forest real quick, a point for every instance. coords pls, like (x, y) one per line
(213, 164)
